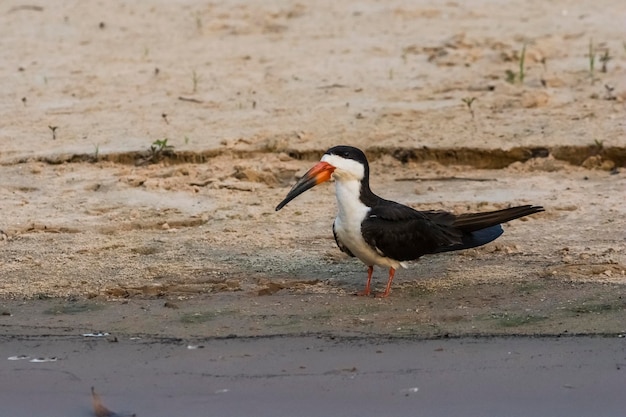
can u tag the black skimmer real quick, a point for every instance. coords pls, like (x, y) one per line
(385, 233)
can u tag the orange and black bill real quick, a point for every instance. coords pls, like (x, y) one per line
(320, 173)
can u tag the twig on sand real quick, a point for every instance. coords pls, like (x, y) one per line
(191, 100)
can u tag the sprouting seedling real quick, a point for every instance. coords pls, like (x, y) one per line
(512, 76)
(522, 58)
(604, 59)
(598, 144)
(195, 79)
(158, 149)
(468, 102)
(160, 145)
(164, 117)
(198, 22)
(54, 131)
(592, 58)
(96, 152)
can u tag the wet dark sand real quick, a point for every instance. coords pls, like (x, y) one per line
(316, 376)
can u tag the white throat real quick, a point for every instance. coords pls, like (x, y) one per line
(351, 210)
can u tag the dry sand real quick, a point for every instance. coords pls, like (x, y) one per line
(102, 228)
(144, 146)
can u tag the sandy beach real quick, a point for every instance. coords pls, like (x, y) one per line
(144, 147)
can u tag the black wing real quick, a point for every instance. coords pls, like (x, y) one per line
(470, 222)
(342, 247)
(402, 233)
(481, 228)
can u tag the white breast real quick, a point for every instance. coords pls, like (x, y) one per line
(351, 214)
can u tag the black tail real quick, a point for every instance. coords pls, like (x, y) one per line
(472, 222)
(481, 228)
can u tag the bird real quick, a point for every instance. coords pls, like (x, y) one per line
(388, 234)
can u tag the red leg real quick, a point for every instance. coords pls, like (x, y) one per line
(366, 291)
(392, 272)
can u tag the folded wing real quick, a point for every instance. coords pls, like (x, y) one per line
(402, 233)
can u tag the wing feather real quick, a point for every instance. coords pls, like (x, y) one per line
(402, 233)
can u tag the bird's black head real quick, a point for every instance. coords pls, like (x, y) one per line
(348, 152)
(349, 162)
(346, 163)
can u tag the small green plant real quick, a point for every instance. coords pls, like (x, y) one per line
(599, 144)
(522, 60)
(468, 102)
(96, 153)
(160, 146)
(592, 58)
(198, 22)
(512, 76)
(195, 80)
(157, 151)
